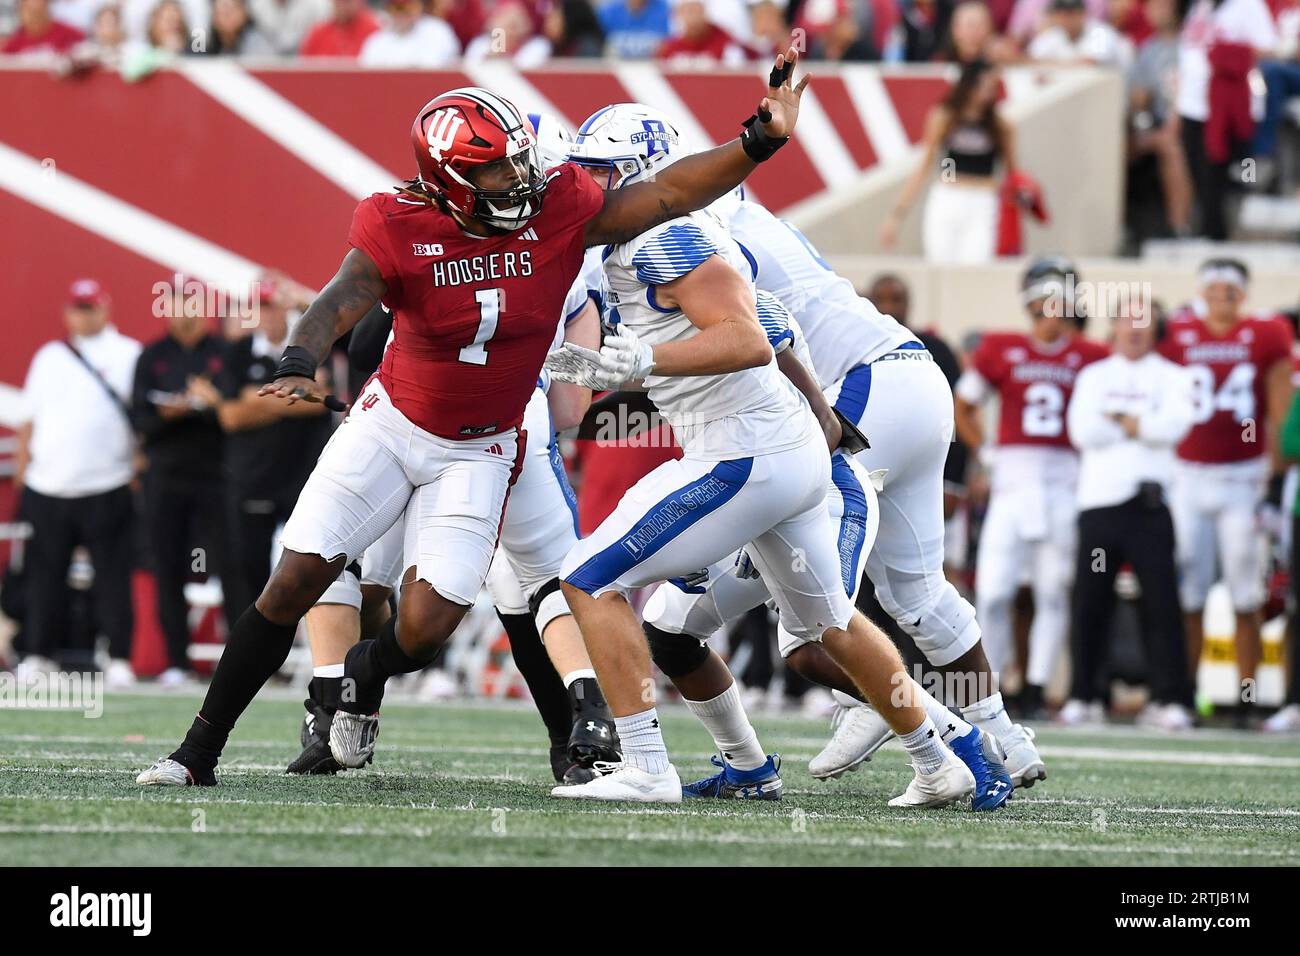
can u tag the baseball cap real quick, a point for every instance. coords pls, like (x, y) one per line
(87, 292)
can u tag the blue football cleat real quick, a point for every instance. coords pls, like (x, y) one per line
(979, 753)
(761, 783)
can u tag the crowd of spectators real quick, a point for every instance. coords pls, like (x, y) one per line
(1208, 82)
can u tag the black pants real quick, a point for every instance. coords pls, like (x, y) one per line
(187, 537)
(102, 524)
(1209, 179)
(1141, 534)
(251, 524)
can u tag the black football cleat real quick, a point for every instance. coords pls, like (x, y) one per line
(565, 771)
(594, 740)
(315, 757)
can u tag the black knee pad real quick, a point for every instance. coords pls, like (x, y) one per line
(675, 654)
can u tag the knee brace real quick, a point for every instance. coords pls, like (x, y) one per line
(675, 654)
(944, 631)
(546, 604)
(345, 589)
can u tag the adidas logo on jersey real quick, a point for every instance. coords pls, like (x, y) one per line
(427, 249)
(495, 449)
(530, 234)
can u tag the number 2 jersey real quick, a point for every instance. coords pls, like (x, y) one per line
(473, 316)
(1034, 382)
(1229, 383)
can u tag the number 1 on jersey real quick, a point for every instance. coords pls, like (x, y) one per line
(489, 311)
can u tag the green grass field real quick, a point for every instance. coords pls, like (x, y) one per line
(468, 784)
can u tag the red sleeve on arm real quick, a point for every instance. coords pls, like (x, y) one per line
(987, 361)
(369, 233)
(1282, 343)
(589, 198)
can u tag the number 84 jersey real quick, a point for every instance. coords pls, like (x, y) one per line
(1032, 380)
(1229, 374)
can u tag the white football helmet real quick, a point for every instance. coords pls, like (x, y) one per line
(553, 138)
(629, 139)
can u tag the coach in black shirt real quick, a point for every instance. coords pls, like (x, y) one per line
(183, 501)
(271, 447)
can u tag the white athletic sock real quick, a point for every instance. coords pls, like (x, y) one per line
(990, 714)
(327, 670)
(642, 743)
(949, 724)
(925, 747)
(570, 677)
(844, 700)
(724, 717)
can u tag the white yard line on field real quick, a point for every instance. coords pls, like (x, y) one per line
(676, 838)
(1191, 758)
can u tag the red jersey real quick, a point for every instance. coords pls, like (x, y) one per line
(1229, 374)
(473, 317)
(1034, 383)
(331, 38)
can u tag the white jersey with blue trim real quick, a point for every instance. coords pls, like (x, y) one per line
(715, 417)
(783, 331)
(842, 328)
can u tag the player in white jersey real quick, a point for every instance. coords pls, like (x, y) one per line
(754, 474)
(886, 383)
(539, 527)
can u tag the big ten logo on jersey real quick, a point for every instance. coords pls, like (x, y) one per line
(442, 131)
(658, 137)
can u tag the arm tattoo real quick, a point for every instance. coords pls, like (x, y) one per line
(340, 305)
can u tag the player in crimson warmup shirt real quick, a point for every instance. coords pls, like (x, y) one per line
(1241, 370)
(474, 258)
(1030, 525)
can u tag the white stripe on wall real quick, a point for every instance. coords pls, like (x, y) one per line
(275, 117)
(877, 112)
(129, 226)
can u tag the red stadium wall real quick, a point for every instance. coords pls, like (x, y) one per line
(175, 148)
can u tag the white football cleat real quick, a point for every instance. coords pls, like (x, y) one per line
(1023, 761)
(1285, 721)
(859, 733)
(627, 783)
(953, 781)
(119, 675)
(1077, 713)
(352, 738)
(1167, 717)
(173, 677)
(166, 773)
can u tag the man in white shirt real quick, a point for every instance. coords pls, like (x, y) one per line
(410, 39)
(1126, 415)
(75, 451)
(1071, 37)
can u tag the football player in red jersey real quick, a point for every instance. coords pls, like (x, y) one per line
(1241, 373)
(1030, 524)
(474, 258)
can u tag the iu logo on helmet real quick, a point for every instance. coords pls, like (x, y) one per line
(442, 131)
